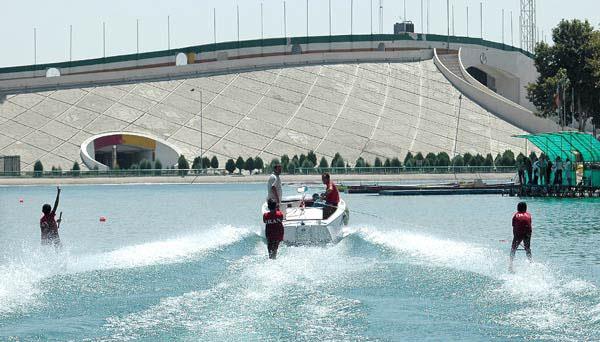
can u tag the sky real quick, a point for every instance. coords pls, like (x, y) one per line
(191, 22)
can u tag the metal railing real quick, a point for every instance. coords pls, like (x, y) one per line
(222, 172)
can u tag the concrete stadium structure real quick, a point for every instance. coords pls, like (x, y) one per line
(370, 96)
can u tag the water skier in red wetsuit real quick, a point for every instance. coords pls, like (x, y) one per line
(274, 228)
(49, 224)
(521, 223)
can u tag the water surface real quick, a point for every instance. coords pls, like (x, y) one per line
(177, 262)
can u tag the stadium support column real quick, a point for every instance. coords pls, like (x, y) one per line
(467, 21)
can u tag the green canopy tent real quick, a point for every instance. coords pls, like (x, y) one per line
(578, 147)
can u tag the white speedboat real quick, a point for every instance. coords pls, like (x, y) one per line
(304, 224)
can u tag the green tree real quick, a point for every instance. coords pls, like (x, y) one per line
(468, 159)
(76, 170)
(532, 156)
(431, 158)
(338, 161)
(157, 167)
(301, 159)
(249, 165)
(230, 166)
(214, 162)
(259, 164)
(205, 162)
(442, 159)
(183, 165)
(478, 160)
(145, 166)
(387, 163)
(396, 162)
(272, 164)
(312, 157)
(323, 163)
(498, 160)
(570, 62)
(458, 160)
(239, 164)
(292, 166)
(508, 158)
(307, 164)
(196, 163)
(408, 157)
(285, 160)
(378, 162)
(489, 160)
(38, 169)
(360, 162)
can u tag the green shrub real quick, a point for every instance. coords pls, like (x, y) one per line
(183, 166)
(38, 169)
(230, 166)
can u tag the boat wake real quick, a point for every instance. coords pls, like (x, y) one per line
(551, 304)
(20, 288)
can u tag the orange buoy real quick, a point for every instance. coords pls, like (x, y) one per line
(102, 219)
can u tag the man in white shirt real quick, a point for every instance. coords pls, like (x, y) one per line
(274, 185)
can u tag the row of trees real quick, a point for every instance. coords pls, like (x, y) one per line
(308, 161)
(569, 74)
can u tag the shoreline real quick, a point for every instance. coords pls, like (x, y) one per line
(247, 179)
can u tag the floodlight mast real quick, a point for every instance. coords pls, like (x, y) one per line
(528, 25)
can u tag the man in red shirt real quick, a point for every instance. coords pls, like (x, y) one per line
(49, 224)
(274, 228)
(331, 196)
(521, 223)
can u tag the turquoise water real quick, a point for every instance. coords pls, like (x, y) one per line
(177, 262)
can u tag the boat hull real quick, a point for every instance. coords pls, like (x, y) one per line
(305, 226)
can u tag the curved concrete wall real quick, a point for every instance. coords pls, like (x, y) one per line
(165, 151)
(501, 107)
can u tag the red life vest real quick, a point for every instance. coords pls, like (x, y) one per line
(274, 225)
(333, 197)
(521, 223)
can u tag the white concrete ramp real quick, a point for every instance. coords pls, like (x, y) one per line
(360, 109)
